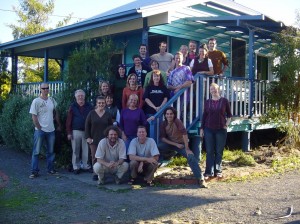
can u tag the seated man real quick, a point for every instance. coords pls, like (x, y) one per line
(110, 155)
(173, 136)
(143, 155)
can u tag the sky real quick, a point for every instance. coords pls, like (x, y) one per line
(279, 10)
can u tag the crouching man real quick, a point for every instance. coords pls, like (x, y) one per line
(143, 154)
(110, 155)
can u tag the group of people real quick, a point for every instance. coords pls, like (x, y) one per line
(115, 127)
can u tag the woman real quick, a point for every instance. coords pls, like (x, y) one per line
(154, 66)
(185, 59)
(131, 118)
(132, 88)
(202, 64)
(215, 120)
(156, 94)
(118, 85)
(104, 90)
(174, 138)
(96, 122)
(112, 109)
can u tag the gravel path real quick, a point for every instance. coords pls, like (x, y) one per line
(69, 198)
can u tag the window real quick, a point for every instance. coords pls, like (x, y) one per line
(262, 67)
(238, 60)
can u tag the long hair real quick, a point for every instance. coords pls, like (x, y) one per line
(100, 88)
(128, 78)
(133, 95)
(173, 110)
(161, 81)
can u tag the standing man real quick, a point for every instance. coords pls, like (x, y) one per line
(218, 58)
(75, 125)
(43, 111)
(192, 50)
(143, 54)
(111, 156)
(163, 57)
(143, 154)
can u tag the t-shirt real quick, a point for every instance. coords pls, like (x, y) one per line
(164, 60)
(156, 94)
(173, 132)
(131, 119)
(43, 109)
(111, 153)
(148, 149)
(218, 59)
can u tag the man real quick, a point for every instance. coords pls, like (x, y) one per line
(192, 50)
(174, 138)
(143, 154)
(139, 69)
(111, 156)
(218, 58)
(75, 125)
(42, 112)
(181, 76)
(143, 54)
(163, 58)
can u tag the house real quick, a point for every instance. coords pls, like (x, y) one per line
(242, 33)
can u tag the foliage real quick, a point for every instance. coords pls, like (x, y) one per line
(33, 18)
(89, 63)
(281, 165)
(16, 127)
(178, 161)
(238, 158)
(283, 95)
(5, 80)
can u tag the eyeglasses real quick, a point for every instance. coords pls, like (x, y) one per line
(45, 88)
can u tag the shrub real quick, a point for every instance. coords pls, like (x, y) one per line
(16, 125)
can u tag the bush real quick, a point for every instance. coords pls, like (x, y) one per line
(16, 126)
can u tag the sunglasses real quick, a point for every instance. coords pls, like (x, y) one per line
(45, 88)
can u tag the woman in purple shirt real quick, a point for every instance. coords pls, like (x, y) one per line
(215, 120)
(131, 118)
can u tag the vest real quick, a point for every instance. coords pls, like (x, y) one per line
(79, 116)
(203, 66)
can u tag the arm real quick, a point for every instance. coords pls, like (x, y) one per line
(124, 98)
(165, 140)
(152, 159)
(186, 144)
(57, 119)
(185, 84)
(69, 123)
(36, 122)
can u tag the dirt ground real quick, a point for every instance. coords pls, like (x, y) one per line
(69, 198)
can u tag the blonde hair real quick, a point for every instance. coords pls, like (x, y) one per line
(133, 95)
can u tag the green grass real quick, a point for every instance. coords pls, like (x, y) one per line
(281, 165)
(20, 198)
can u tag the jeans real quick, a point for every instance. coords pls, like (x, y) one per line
(40, 137)
(192, 159)
(215, 141)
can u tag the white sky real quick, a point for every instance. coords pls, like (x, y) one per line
(280, 10)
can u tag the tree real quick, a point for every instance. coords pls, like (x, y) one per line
(284, 93)
(33, 18)
(5, 78)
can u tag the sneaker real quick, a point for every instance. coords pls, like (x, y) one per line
(202, 184)
(95, 177)
(100, 181)
(77, 171)
(117, 180)
(52, 172)
(219, 175)
(33, 175)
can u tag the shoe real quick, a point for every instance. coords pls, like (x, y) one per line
(202, 184)
(100, 181)
(33, 175)
(95, 177)
(149, 184)
(117, 180)
(131, 181)
(52, 172)
(77, 171)
(219, 175)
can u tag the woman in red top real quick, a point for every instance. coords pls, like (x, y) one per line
(132, 88)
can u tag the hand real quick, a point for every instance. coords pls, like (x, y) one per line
(201, 133)
(180, 146)
(150, 118)
(58, 128)
(188, 152)
(124, 137)
(70, 137)
(140, 168)
(151, 160)
(89, 140)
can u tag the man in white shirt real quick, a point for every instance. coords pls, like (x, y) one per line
(42, 112)
(111, 156)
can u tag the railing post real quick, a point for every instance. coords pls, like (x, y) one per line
(201, 96)
(251, 71)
